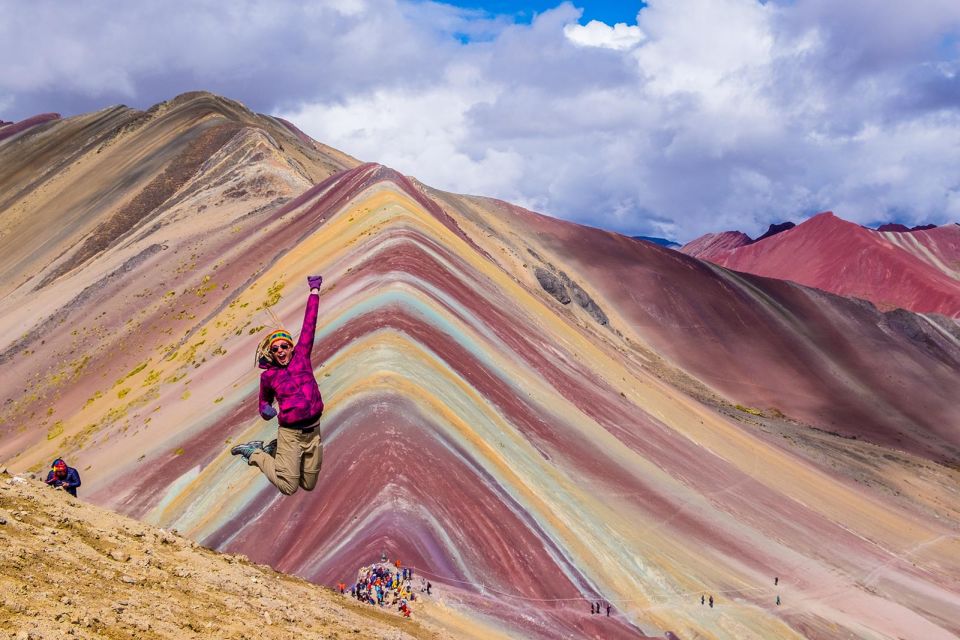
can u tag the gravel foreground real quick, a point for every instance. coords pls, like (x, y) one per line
(69, 569)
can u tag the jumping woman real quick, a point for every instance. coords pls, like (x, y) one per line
(292, 460)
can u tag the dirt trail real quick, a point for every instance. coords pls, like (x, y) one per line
(69, 569)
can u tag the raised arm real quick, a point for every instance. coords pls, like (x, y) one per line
(309, 328)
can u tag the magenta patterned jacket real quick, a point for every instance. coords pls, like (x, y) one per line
(294, 387)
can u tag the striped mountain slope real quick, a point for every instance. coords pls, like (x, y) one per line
(649, 429)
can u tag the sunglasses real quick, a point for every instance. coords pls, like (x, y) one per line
(279, 347)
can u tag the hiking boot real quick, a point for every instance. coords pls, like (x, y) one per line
(246, 449)
(271, 448)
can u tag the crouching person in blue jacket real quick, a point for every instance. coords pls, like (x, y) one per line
(63, 477)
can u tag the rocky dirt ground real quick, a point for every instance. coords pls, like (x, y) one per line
(69, 569)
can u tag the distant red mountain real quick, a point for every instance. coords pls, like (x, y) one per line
(917, 269)
(775, 229)
(716, 245)
(10, 129)
(938, 246)
(896, 226)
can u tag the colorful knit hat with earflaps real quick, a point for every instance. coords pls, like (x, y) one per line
(264, 357)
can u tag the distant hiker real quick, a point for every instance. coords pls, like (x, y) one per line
(608, 610)
(711, 602)
(593, 608)
(598, 607)
(63, 477)
(294, 458)
(778, 601)
(703, 599)
(428, 587)
(776, 580)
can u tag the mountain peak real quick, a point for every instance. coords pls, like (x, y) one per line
(774, 229)
(833, 254)
(825, 218)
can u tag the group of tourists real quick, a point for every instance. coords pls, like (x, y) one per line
(595, 608)
(384, 584)
(709, 600)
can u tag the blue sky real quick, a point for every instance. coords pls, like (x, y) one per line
(687, 117)
(607, 11)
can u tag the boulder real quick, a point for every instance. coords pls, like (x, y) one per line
(552, 285)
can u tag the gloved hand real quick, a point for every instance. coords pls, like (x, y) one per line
(314, 281)
(269, 413)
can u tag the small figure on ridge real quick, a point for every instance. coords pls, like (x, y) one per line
(63, 477)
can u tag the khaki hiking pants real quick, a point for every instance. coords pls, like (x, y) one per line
(298, 460)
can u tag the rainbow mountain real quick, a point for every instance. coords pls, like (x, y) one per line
(532, 414)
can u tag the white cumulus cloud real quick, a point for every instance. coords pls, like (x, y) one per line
(388, 126)
(620, 36)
